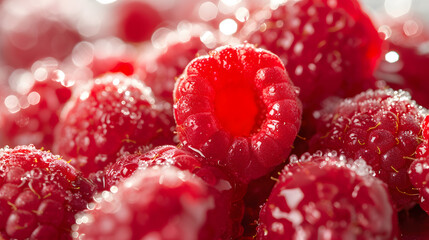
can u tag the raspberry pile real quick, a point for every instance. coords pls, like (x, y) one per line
(212, 119)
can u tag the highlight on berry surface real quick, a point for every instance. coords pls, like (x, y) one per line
(238, 108)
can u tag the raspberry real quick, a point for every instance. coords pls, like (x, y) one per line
(238, 108)
(382, 127)
(136, 20)
(405, 59)
(159, 68)
(328, 197)
(39, 194)
(109, 117)
(166, 155)
(164, 203)
(33, 108)
(328, 47)
(29, 37)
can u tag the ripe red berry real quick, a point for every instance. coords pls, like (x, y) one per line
(136, 20)
(158, 202)
(238, 108)
(39, 194)
(382, 127)
(326, 196)
(33, 108)
(328, 47)
(110, 117)
(166, 156)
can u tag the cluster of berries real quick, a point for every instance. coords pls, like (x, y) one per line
(292, 126)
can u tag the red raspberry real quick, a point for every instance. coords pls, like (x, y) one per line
(328, 197)
(39, 194)
(382, 127)
(160, 67)
(29, 37)
(136, 20)
(404, 62)
(168, 155)
(419, 169)
(238, 108)
(164, 203)
(328, 47)
(33, 108)
(107, 118)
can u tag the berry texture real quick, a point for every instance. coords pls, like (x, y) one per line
(32, 110)
(419, 169)
(383, 127)
(327, 197)
(164, 203)
(328, 47)
(238, 108)
(39, 194)
(109, 117)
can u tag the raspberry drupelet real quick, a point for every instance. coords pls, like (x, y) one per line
(328, 47)
(383, 127)
(158, 202)
(109, 117)
(39, 194)
(326, 196)
(238, 108)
